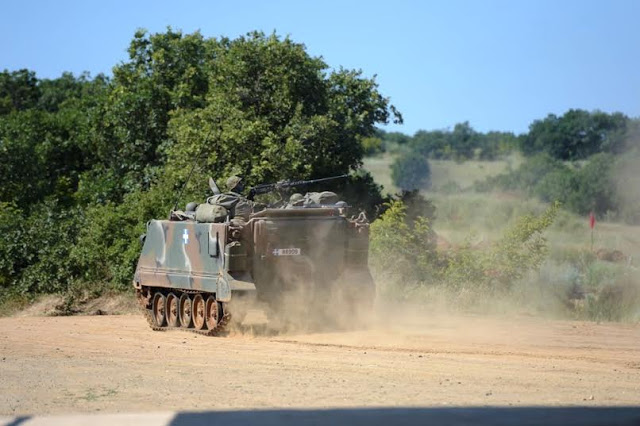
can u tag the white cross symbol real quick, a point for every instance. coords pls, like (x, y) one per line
(185, 236)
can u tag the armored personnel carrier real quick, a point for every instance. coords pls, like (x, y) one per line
(196, 264)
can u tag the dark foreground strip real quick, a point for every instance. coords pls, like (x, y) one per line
(500, 416)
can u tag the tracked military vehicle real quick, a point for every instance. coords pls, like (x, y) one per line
(196, 264)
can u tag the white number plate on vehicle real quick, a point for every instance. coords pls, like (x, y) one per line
(286, 252)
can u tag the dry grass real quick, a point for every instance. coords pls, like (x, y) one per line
(380, 169)
(443, 172)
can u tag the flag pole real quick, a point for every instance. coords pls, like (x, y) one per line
(592, 224)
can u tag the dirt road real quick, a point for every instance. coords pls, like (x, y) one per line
(116, 364)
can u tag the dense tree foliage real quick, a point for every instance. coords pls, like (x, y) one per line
(18, 91)
(460, 144)
(85, 162)
(576, 135)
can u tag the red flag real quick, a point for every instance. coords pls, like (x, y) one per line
(592, 220)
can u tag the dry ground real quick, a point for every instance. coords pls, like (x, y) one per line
(117, 364)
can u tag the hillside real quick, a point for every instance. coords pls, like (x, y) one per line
(577, 276)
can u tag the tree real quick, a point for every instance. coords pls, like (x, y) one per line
(459, 144)
(576, 135)
(464, 140)
(372, 145)
(404, 246)
(42, 156)
(18, 90)
(272, 112)
(410, 172)
(434, 144)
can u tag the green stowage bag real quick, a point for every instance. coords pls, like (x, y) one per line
(211, 213)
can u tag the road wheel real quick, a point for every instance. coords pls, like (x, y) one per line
(172, 310)
(158, 310)
(199, 312)
(213, 311)
(185, 311)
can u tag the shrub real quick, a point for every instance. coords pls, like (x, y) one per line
(522, 248)
(557, 185)
(411, 171)
(614, 302)
(408, 251)
(108, 245)
(595, 189)
(402, 246)
(13, 245)
(44, 241)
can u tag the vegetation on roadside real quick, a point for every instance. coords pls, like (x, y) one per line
(406, 248)
(86, 162)
(526, 257)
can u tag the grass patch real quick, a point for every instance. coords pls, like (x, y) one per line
(13, 303)
(444, 173)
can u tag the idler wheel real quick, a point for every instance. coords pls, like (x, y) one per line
(158, 310)
(213, 310)
(199, 312)
(172, 310)
(185, 311)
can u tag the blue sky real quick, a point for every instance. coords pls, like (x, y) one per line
(498, 64)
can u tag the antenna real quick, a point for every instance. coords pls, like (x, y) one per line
(195, 163)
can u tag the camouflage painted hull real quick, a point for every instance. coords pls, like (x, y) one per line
(315, 251)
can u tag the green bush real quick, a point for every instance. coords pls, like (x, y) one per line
(595, 190)
(557, 185)
(522, 248)
(619, 301)
(408, 252)
(34, 255)
(109, 245)
(14, 245)
(578, 284)
(403, 246)
(411, 171)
